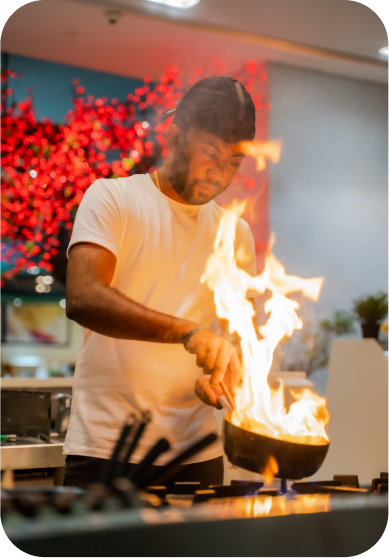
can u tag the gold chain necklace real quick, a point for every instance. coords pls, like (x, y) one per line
(157, 181)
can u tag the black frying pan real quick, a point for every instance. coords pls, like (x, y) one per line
(251, 451)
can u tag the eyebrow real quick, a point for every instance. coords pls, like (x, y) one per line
(209, 142)
(238, 155)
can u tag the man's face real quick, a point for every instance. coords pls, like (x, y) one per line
(203, 166)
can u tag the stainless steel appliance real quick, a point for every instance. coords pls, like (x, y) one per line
(60, 411)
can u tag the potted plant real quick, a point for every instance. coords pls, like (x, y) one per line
(371, 311)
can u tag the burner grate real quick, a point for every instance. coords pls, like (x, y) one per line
(340, 484)
(29, 503)
(347, 480)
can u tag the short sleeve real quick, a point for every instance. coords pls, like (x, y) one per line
(245, 248)
(99, 218)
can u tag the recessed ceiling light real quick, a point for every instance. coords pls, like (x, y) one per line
(383, 52)
(183, 4)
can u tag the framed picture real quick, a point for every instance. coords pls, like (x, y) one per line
(37, 323)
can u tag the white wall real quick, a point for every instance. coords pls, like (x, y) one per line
(328, 196)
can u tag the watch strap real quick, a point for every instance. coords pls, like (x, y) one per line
(190, 334)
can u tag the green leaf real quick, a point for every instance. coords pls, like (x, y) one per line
(371, 309)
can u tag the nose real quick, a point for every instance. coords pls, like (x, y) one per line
(216, 173)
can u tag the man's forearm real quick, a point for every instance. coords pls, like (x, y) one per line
(105, 310)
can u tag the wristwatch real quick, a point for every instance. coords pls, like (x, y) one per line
(189, 335)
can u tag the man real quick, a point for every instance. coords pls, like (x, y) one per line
(137, 252)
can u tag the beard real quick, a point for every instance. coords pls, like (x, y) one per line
(182, 184)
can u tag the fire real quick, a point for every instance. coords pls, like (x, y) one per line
(268, 506)
(260, 507)
(312, 503)
(262, 150)
(259, 407)
(270, 470)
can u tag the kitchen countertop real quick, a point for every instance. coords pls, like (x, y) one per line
(35, 383)
(32, 453)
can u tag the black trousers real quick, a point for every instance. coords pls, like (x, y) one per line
(81, 471)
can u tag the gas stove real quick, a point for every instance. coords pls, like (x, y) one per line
(337, 517)
(133, 513)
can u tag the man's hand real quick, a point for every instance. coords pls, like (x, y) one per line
(217, 357)
(206, 393)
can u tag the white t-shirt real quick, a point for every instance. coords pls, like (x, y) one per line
(161, 247)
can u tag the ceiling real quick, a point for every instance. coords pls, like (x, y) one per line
(337, 36)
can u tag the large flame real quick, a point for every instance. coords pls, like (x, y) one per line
(262, 150)
(259, 407)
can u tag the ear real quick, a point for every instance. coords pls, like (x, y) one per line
(174, 136)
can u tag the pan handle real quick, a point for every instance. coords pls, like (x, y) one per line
(224, 403)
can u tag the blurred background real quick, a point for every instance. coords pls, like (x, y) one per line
(83, 85)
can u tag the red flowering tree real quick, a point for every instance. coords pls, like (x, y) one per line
(47, 168)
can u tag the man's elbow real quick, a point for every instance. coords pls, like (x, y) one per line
(70, 310)
(74, 308)
(80, 301)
